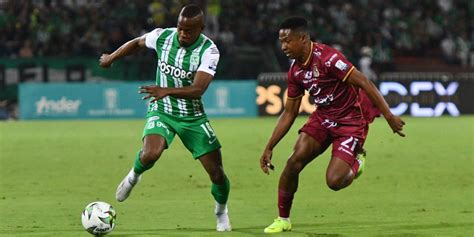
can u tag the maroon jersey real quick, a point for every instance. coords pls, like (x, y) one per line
(324, 77)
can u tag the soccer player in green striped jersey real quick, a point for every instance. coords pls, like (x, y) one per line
(187, 62)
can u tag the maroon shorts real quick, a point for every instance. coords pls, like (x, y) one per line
(346, 139)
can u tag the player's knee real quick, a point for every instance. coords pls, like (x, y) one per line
(335, 182)
(294, 166)
(150, 156)
(217, 176)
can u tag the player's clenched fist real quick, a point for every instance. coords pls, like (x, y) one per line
(105, 60)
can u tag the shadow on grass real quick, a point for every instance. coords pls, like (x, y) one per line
(299, 229)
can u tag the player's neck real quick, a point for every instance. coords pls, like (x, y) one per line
(306, 58)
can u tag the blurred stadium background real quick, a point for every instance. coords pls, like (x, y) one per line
(419, 53)
(60, 41)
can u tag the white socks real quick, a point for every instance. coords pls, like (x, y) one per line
(223, 223)
(133, 177)
(220, 208)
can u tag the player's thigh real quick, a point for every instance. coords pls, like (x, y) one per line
(313, 140)
(306, 149)
(338, 169)
(198, 137)
(157, 133)
(153, 146)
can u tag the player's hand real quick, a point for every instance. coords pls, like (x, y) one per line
(154, 91)
(106, 60)
(396, 123)
(266, 161)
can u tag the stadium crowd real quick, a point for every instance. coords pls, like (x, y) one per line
(387, 28)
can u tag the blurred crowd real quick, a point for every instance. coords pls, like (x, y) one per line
(381, 28)
(378, 29)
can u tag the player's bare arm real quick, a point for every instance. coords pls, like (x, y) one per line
(194, 91)
(284, 123)
(126, 49)
(358, 79)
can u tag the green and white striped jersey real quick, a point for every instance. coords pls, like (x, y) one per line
(176, 68)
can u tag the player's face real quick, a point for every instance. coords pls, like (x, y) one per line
(189, 30)
(291, 43)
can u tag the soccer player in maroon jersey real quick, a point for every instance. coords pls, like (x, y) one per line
(346, 102)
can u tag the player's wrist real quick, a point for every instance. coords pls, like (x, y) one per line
(269, 148)
(388, 115)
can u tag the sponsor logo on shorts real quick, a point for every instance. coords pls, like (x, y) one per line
(152, 123)
(329, 124)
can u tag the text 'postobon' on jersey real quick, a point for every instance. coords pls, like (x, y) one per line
(176, 68)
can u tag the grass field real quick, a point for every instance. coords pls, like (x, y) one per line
(422, 185)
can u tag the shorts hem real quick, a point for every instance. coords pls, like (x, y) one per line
(206, 152)
(159, 134)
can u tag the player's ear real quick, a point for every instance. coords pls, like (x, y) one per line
(304, 36)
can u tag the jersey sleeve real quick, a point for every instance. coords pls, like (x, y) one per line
(339, 66)
(295, 89)
(209, 60)
(151, 37)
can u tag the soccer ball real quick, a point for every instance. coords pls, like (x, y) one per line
(98, 218)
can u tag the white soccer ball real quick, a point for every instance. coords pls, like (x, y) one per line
(98, 218)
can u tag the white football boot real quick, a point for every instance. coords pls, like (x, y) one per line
(223, 222)
(126, 186)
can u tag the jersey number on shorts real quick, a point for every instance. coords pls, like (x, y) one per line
(209, 132)
(349, 140)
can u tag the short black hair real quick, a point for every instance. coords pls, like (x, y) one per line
(190, 11)
(295, 23)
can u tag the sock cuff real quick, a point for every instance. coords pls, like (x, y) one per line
(221, 192)
(138, 167)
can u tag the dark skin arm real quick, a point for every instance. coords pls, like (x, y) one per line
(128, 48)
(358, 79)
(284, 123)
(194, 91)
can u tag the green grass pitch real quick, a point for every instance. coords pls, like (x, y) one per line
(421, 185)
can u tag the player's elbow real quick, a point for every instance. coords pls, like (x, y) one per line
(140, 42)
(289, 115)
(196, 92)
